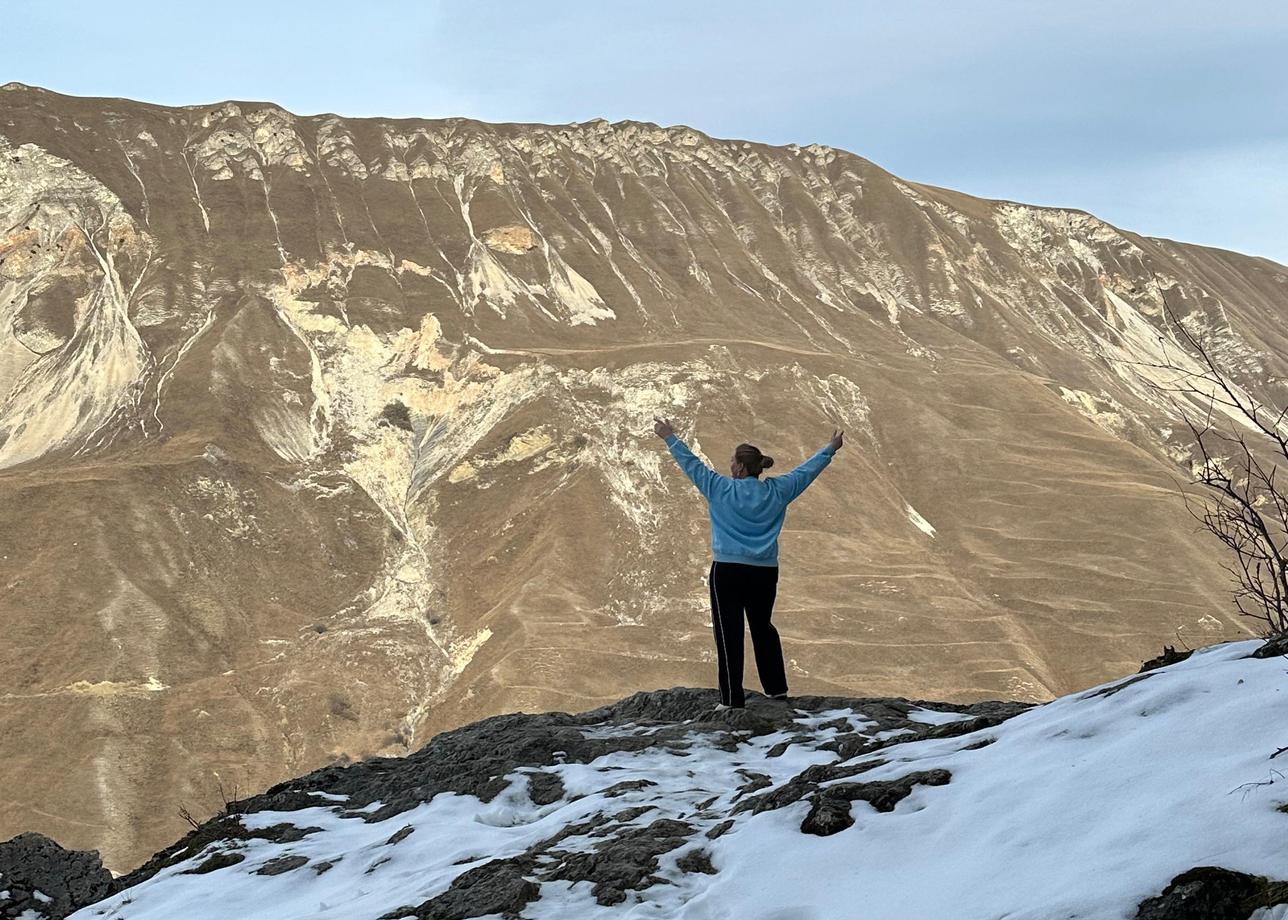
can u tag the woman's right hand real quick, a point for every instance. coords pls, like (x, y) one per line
(836, 443)
(662, 427)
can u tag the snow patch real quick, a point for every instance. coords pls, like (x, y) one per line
(918, 521)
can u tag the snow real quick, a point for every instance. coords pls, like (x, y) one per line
(857, 720)
(918, 521)
(936, 717)
(330, 796)
(1079, 808)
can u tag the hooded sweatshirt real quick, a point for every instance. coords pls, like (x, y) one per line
(747, 514)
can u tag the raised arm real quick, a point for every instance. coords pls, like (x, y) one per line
(794, 483)
(701, 475)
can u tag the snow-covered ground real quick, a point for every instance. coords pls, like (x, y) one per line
(1080, 808)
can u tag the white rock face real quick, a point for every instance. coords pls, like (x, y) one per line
(66, 234)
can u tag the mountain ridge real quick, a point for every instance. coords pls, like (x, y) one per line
(635, 123)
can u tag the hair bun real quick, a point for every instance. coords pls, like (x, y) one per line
(766, 462)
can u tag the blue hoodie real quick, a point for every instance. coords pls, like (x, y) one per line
(747, 514)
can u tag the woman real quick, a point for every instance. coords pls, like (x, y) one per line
(746, 515)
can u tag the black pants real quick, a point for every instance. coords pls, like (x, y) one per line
(737, 588)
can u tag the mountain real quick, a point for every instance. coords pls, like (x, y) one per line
(321, 435)
(1152, 796)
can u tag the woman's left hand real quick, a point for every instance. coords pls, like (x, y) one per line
(662, 427)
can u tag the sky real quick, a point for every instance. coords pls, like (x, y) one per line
(1167, 118)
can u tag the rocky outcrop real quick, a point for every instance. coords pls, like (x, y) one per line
(1274, 647)
(481, 759)
(39, 880)
(617, 850)
(222, 829)
(43, 881)
(1169, 656)
(661, 805)
(1213, 893)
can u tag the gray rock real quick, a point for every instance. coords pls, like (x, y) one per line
(830, 806)
(622, 788)
(282, 864)
(498, 887)
(1275, 647)
(1213, 893)
(755, 782)
(696, 861)
(1111, 689)
(801, 786)
(625, 862)
(544, 788)
(1169, 656)
(217, 861)
(827, 816)
(220, 829)
(70, 879)
(883, 795)
(720, 829)
(400, 835)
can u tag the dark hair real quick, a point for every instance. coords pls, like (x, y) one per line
(749, 455)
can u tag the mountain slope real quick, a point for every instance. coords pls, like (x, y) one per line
(320, 435)
(1085, 807)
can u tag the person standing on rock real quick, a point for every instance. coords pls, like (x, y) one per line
(746, 516)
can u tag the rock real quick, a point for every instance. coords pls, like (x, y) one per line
(626, 816)
(801, 786)
(720, 829)
(629, 786)
(222, 828)
(830, 807)
(883, 795)
(400, 835)
(755, 781)
(395, 415)
(217, 861)
(282, 864)
(513, 239)
(1170, 656)
(1111, 689)
(544, 788)
(624, 862)
(696, 861)
(497, 887)
(1213, 893)
(827, 815)
(476, 758)
(1275, 646)
(38, 875)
